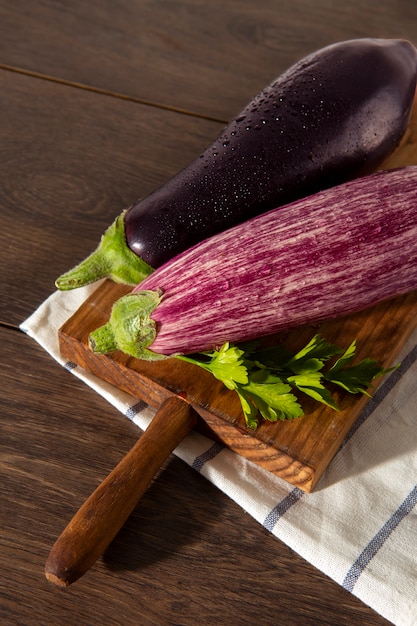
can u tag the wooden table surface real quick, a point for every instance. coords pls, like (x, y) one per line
(101, 102)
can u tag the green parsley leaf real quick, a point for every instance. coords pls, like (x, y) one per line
(346, 358)
(250, 410)
(357, 378)
(226, 364)
(272, 397)
(264, 379)
(311, 384)
(273, 358)
(313, 356)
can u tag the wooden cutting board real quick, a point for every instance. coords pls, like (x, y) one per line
(297, 450)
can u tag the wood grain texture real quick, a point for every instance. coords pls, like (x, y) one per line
(209, 58)
(72, 161)
(104, 513)
(183, 546)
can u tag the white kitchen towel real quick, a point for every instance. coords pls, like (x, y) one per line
(359, 526)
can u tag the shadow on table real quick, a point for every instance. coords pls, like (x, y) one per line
(167, 518)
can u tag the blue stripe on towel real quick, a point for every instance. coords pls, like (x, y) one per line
(69, 365)
(208, 455)
(378, 540)
(135, 409)
(282, 507)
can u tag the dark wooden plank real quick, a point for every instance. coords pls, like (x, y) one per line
(187, 555)
(71, 161)
(205, 57)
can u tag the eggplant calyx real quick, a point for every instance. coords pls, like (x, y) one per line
(130, 327)
(113, 259)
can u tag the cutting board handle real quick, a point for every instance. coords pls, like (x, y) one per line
(103, 514)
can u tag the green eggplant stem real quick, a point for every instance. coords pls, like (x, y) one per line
(130, 327)
(112, 259)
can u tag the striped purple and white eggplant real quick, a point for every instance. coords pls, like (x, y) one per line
(328, 255)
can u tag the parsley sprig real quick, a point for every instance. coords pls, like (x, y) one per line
(266, 379)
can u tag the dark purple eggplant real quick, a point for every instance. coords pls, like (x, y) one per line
(333, 116)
